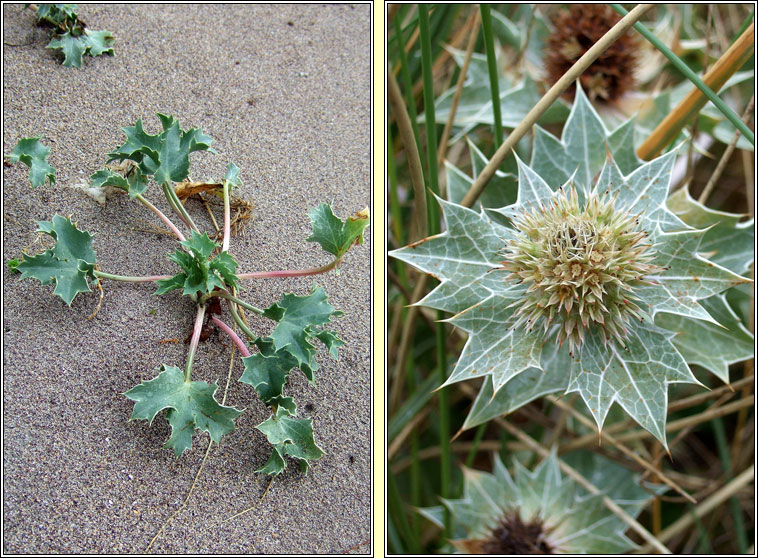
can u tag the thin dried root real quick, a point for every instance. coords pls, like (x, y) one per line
(99, 302)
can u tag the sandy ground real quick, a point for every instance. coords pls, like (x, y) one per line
(285, 93)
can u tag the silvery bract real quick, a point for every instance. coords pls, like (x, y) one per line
(592, 253)
(543, 511)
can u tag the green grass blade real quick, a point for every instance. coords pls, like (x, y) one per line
(412, 406)
(431, 130)
(475, 447)
(489, 45)
(434, 228)
(398, 514)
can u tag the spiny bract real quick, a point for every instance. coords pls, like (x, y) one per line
(542, 512)
(597, 249)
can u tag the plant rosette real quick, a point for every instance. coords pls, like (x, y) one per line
(543, 511)
(207, 273)
(590, 282)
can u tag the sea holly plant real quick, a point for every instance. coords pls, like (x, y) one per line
(71, 35)
(585, 283)
(207, 273)
(33, 153)
(543, 511)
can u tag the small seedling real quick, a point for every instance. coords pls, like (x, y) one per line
(70, 34)
(207, 273)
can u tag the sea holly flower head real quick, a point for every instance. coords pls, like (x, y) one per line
(580, 266)
(572, 287)
(543, 511)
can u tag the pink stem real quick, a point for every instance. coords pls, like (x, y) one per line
(163, 218)
(290, 273)
(227, 219)
(236, 338)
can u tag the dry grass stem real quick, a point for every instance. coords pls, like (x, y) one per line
(726, 156)
(731, 61)
(411, 151)
(622, 448)
(549, 98)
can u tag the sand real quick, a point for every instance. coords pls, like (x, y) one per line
(285, 93)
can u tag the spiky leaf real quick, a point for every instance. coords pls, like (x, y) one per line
(570, 520)
(198, 274)
(74, 46)
(191, 405)
(164, 155)
(33, 154)
(99, 42)
(135, 183)
(636, 366)
(291, 436)
(232, 175)
(299, 319)
(551, 377)
(57, 14)
(69, 263)
(267, 373)
(728, 240)
(728, 340)
(333, 234)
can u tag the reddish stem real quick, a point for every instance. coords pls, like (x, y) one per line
(290, 272)
(236, 338)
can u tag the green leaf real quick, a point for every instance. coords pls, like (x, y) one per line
(334, 235)
(494, 347)
(68, 263)
(552, 377)
(688, 276)
(13, 265)
(461, 258)
(331, 340)
(298, 318)
(226, 266)
(134, 184)
(190, 405)
(727, 242)
(164, 155)
(232, 175)
(57, 14)
(581, 149)
(200, 245)
(73, 48)
(33, 153)
(266, 347)
(727, 342)
(268, 374)
(636, 378)
(198, 274)
(167, 285)
(98, 42)
(578, 521)
(290, 436)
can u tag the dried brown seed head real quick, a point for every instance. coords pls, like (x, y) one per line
(576, 30)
